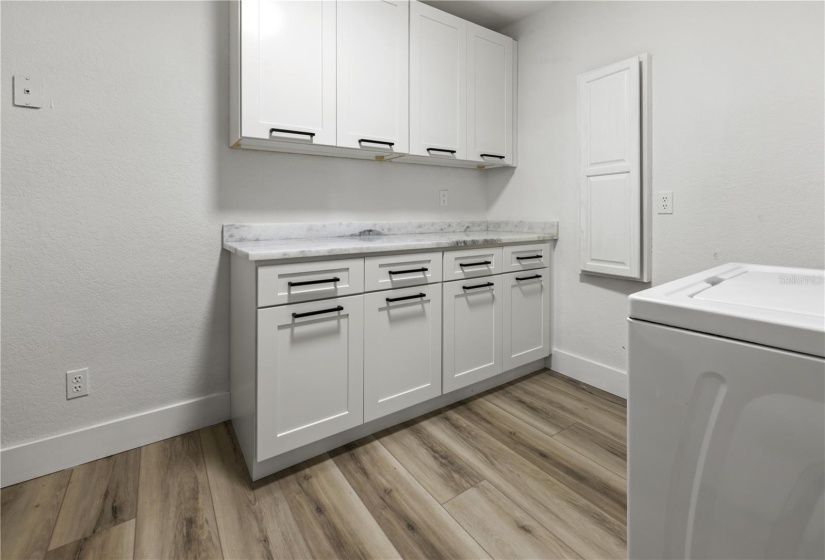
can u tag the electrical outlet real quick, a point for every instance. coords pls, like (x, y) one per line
(665, 202)
(444, 198)
(77, 383)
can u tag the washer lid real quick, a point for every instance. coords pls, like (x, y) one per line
(774, 306)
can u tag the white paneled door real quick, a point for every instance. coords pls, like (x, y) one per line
(526, 322)
(472, 331)
(373, 75)
(611, 182)
(489, 96)
(402, 349)
(438, 81)
(288, 70)
(310, 372)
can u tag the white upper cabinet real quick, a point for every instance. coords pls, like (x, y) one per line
(371, 79)
(489, 96)
(438, 80)
(373, 75)
(288, 70)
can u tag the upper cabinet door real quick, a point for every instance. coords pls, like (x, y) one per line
(288, 70)
(612, 102)
(438, 79)
(373, 74)
(489, 96)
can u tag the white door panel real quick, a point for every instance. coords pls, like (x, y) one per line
(373, 74)
(438, 105)
(526, 317)
(288, 70)
(472, 331)
(402, 356)
(612, 234)
(489, 96)
(310, 372)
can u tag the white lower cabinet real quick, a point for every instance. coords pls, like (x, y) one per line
(402, 349)
(472, 331)
(318, 348)
(526, 317)
(310, 372)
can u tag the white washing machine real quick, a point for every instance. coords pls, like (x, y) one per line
(726, 416)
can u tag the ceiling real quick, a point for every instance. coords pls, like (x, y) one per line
(493, 14)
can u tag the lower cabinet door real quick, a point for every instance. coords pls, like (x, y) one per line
(472, 331)
(526, 317)
(310, 372)
(402, 349)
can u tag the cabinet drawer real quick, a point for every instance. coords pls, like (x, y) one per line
(398, 271)
(524, 257)
(310, 376)
(292, 283)
(402, 349)
(471, 263)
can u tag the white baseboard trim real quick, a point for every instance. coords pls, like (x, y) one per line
(31, 460)
(593, 373)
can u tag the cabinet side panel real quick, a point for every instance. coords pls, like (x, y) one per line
(242, 353)
(234, 72)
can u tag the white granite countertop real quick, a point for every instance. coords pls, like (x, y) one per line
(259, 242)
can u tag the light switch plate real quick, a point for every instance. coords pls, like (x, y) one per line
(28, 92)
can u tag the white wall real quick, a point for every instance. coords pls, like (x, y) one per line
(737, 136)
(113, 199)
(114, 193)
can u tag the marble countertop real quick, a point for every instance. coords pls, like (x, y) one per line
(259, 242)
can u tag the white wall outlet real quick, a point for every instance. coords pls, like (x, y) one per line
(77, 383)
(28, 92)
(444, 198)
(665, 202)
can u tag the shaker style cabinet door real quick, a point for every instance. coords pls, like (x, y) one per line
(402, 349)
(614, 189)
(373, 75)
(438, 80)
(472, 331)
(489, 96)
(288, 70)
(526, 317)
(310, 372)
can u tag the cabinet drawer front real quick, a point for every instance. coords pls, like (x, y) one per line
(472, 331)
(310, 372)
(471, 263)
(526, 317)
(524, 257)
(398, 271)
(402, 349)
(292, 283)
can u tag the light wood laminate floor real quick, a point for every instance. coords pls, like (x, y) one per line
(532, 469)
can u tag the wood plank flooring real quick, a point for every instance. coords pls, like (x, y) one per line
(533, 469)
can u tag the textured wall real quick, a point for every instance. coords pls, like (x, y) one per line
(113, 196)
(114, 193)
(737, 136)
